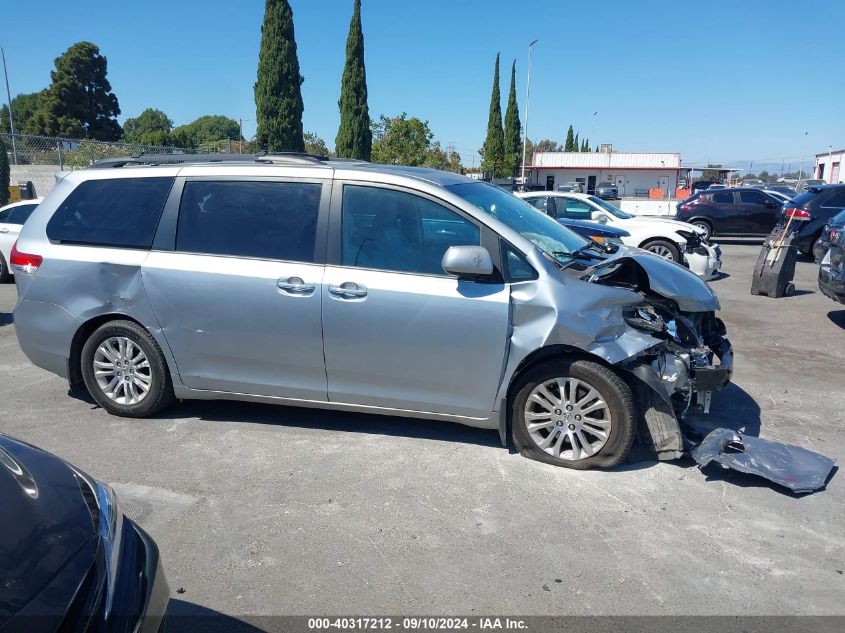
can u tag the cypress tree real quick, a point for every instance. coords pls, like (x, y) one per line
(4, 175)
(278, 99)
(569, 146)
(576, 146)
(494, 144)
(513, 129)
(354, 137)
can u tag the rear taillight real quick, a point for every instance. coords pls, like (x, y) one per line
(24, 263)
(683, 207)
(797, 214)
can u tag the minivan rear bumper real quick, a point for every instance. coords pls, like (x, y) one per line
(45, 332)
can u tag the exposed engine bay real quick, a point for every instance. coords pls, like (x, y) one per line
(693, 357)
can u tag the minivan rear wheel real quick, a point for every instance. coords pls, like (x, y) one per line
(577, 414)
(125, 371)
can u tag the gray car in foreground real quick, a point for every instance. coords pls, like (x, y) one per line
(345, 285)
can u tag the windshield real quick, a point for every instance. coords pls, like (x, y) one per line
(616, 211)
(545, 233)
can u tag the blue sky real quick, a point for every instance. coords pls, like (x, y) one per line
(722, 81)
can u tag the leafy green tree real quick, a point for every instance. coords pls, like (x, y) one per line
(4, 175)
(569, 145)
(315, 145)
(401, 141)
(493, 151)
(24, 107)
(576, 146)
(547, 145)
(278, 95)
(79, 102)
(206, 129)
(585, 146)
(354, 136)
(513, 130)
(151, 127)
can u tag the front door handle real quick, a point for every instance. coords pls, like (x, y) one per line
(348, 290)
(4, 230)
(295, 286)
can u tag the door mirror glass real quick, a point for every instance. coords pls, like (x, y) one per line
(468, 262)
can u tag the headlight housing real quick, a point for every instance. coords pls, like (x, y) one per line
(644, 317)
(108, 519)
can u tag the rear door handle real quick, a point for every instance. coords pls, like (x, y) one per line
(4, 230)
(295, 286)
(348, 290)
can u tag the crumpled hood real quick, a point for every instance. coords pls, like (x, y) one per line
(672, 225)
(667, 279)
(45, 521)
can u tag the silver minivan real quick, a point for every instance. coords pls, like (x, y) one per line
(345, 285)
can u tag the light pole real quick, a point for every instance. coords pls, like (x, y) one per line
(594, 127)
(9, 98)
(527, 98)
(830, 164)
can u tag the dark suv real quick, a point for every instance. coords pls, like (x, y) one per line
(740, 211)
(816, 206)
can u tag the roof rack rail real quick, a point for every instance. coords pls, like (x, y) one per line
(180, 159)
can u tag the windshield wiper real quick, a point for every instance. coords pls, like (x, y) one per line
(578, 253)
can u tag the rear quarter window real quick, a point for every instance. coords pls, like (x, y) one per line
(122, 212)
(803, 198)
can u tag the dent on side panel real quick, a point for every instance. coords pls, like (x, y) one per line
(89, 289)
(573, 313)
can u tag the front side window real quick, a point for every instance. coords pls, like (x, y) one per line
(121, 212)
(610, 208)
(574, 209)
(392, 230)
(256, 219)
(547, 234)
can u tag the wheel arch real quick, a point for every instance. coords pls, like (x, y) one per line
(86, 329)
(539, 356)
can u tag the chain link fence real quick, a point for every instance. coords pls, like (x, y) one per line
(37, 159)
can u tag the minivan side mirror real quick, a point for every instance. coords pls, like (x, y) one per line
(467, 262)
(598, 216)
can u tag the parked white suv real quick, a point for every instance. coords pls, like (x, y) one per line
(12, 217)
(677, 241)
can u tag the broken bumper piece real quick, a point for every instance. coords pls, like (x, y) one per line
(716, 377)
(794, 467)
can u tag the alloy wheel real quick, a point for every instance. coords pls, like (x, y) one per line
(662, 251)
(567, 418)
(122, 370)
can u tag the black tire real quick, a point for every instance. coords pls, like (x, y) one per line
(611, 388)
(704, 224)
(670, 246)
(4, 270)
(160, 394)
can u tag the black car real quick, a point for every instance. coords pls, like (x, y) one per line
(701, 185)
(832, 229)
(738, 211)
(784, 189)
(70, 560)
(832, 268)
(607, 191)
(816, 207)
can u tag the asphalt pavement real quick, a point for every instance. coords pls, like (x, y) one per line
(261, 509)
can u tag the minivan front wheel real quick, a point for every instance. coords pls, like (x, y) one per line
(125, 371)
(577, 414)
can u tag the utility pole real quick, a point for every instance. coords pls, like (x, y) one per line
(527, 98)
(11, 118)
